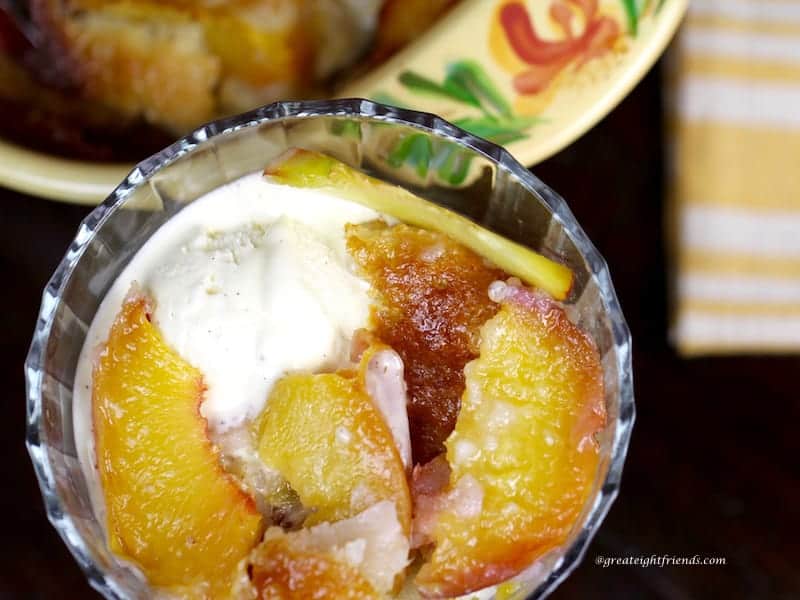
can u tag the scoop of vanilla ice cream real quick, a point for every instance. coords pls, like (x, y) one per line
(249, 282)
(250, 304)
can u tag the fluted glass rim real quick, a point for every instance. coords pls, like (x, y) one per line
(355, 108)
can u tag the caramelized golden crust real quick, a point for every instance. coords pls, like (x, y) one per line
(174, 64)
(432, 298)
(179, 63)
(279, 572)
(41, 118)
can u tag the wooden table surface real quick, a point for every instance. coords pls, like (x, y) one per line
(714, 466)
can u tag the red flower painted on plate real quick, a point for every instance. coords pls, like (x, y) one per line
(547, 58)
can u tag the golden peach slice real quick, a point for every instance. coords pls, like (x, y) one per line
(523, 454)
(304, 168)
(171, 508)
(325, 436)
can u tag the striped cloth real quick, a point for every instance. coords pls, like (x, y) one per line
(734, 127)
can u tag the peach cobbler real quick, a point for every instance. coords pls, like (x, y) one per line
(313, 384)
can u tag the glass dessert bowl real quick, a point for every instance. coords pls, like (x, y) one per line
(440, 163)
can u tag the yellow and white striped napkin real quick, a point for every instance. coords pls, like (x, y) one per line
(734, 105)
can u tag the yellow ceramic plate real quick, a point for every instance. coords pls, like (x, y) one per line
(73, 181)
(532, 75)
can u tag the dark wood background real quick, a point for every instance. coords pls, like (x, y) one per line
(713, 469)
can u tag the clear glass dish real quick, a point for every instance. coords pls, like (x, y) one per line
(420, 151)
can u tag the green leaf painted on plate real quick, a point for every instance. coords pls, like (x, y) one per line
(466, 82)
(348, 128)
(470, 75)
(399, 154)
(420, 156)
(633, 16)
(458, 89)
(500, 131)
(452, 163)
(415, 150)
(420, 84)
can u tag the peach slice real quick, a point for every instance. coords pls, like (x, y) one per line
(327, 439)
(523, 454)
(304, 168)
(171, 508)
